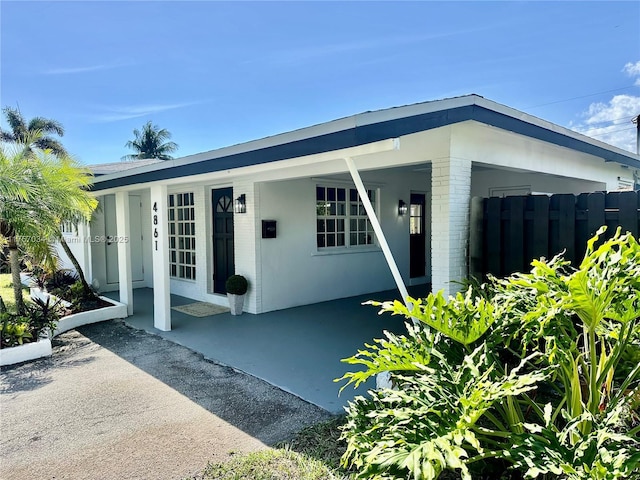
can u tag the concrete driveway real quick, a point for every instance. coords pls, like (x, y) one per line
(119, 403)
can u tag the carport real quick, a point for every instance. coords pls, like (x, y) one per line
(297, 349)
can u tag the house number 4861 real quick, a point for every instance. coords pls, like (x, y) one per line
(155, 223)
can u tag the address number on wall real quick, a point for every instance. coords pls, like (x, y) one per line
(155, 222)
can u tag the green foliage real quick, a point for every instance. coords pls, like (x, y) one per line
(151, 143)
(396, 353)
(541, 372)
(13, 330)
(320, 441)
(36, 133)
(40, 317)
(269, 465)
(463, 318)
(38, 191)
(43, 315)
(60, 279)
(428, 424)
(75, 293)
(568, 453)
(236, 285)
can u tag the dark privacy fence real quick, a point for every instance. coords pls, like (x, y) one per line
(508, 233)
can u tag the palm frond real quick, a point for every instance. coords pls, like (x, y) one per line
(46, 125)
(48, 143)
(35, 134)
(15, 121)
(150, 142)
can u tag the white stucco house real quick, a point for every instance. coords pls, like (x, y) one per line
(353, 206)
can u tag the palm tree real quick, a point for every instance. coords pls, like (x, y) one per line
(35, 133)
(151, 143)
(38, 191)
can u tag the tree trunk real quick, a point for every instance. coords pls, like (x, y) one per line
(14, 261)
(85, 286)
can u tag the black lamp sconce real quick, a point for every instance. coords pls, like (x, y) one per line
(240, 204)
(402, 208)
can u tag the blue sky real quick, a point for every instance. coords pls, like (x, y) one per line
(219, 73)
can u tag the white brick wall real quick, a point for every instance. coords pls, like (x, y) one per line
(247, 246)
(247, 232)
(451, 187)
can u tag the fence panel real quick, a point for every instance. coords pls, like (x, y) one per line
(628, 212)
(538, 232)
(493, 230)
(513, 234)
(515, 230)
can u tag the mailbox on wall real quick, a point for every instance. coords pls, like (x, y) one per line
(268, 229)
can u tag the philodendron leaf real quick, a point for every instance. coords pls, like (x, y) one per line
(462, 318)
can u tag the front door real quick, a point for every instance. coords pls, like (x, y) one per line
(223, 266)
(417, 245)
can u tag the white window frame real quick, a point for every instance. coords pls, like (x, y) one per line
(182, 235)
(69, 228)
(346, 225)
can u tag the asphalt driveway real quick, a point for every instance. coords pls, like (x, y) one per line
(119, 403)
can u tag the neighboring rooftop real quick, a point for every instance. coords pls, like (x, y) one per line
(121, 166)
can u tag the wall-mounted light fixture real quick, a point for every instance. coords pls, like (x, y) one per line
(402, 208)
(240, 204)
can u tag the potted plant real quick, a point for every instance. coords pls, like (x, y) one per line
(236, 287)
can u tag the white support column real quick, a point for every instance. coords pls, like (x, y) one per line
(123, 233)
(160, 255)
(355, 175)
(84, 233)
(450, 205)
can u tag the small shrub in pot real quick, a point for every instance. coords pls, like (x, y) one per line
(236, 285)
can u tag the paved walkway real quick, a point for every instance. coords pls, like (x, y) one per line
(118, 403)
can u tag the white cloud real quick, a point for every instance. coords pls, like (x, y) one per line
(114, 114)
(83, 68)
(633, 70)
(610, 122)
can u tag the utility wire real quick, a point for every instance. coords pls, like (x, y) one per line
(605, 126)
(607, 133)
(614, 119)
(578, 97)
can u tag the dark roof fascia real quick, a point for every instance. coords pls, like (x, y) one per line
(363, 134)
(505, 122)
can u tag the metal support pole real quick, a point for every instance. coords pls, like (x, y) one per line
(355, 175)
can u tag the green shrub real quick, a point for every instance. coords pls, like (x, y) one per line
(43, 315)
(541, 376)
(13, 330)
(58, 281)
(40, 317)
(78, 297)
(236, 285)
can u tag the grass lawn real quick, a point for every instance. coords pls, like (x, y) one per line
(6, 292)
(314, 454)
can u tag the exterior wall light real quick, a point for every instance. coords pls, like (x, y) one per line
(240, 204)
(402, 208)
